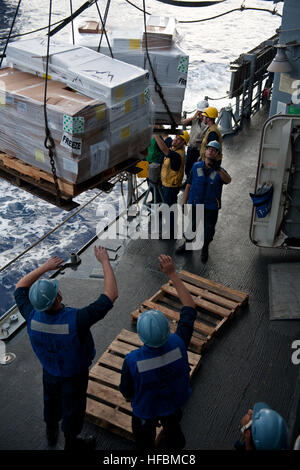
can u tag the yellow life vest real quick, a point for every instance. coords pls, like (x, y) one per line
(213, 128)
(169, 177)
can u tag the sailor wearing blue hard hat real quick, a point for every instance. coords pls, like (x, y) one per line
(204, 186)
(155, 377)
(263, 429)
(61, 339)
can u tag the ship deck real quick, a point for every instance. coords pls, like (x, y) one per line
(249, 361)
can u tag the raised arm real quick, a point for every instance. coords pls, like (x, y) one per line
(161, 143)
(167, 267)
(110, 283)
(51, 264)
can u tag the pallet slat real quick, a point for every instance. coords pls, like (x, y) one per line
(37, 177)
(215, 305)
(215, 287)
(106, 406)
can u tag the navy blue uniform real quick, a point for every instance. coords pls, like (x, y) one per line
(156, 380)
(63, 343)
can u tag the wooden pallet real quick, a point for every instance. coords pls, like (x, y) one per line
(215, 304)
(106, 406)
(40, 182)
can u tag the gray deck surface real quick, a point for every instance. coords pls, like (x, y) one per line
(249, 361)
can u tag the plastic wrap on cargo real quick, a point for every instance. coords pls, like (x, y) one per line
(83, 69)
(169, 62)
(89, 135)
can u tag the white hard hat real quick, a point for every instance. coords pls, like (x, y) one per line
(202, 105)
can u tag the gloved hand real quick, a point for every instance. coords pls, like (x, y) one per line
(215, 165)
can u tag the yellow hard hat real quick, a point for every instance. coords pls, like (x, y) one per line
(185, 136)
(211, 112)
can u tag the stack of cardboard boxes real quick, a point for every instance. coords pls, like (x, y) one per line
(99, 113)
(169, 61)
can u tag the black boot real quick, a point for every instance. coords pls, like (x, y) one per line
(204, 253)
(79, 443)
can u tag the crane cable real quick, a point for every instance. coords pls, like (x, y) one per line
(241, 8)
(157, 87)
(9, 35)
(49, 141)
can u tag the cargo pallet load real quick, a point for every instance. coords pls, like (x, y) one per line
(168, 60)
(98, 111)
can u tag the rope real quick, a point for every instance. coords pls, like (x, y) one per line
(71, 11)
(241, 8)
(103, 24)
(157, 87)
(56, 228)
(49, 141)
(9, 35)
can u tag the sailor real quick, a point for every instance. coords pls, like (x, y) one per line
(155, 377)
(155, 158)
(197, 131)
(204, 186)
(173, 166)
(60, 337)
(262, 429)
(213, 132)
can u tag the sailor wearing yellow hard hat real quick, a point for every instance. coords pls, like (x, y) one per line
(212, 133)
(173, 166)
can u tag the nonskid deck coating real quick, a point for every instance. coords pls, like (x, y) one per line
(249, 362)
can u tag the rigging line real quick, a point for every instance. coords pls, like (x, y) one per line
(67, 20)
(273, 12)
(30, 32)
(158, 88)
(53, 230)
(241, 8)
(49, 141)
(72, 24)
(9, 35)
(103, 24)
(138, 8)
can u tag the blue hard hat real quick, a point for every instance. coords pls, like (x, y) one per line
(42, 294)
(153, 328)
(215, 144)
(269, 430)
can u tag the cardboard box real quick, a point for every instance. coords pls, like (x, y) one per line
(160, 32)
(84, 70)
(79, 125)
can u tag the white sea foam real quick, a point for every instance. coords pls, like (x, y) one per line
(211, 46)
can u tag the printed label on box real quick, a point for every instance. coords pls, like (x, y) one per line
(120, 93)
(146, 97)
(183, 65)
(39, 156)
(100, 112)
(22, 107)
(127, 106)
(70, 165)
(9, 99)
(99, 157)
(125, 132)
(71, 143)
(134, 44)
(73, 125)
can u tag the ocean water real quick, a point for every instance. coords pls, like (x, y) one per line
(211, 46)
